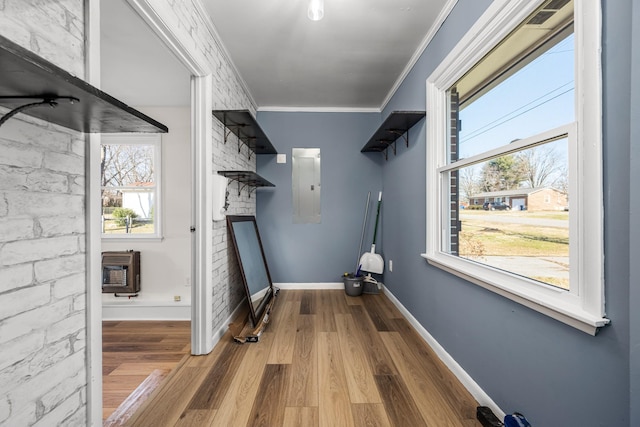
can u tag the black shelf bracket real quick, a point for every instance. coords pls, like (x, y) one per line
(246, 179)
(242, 124)
(51, 101)
(396, 126)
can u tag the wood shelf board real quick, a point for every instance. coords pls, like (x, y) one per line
(396, 124)
(242, 124)
(25, 74)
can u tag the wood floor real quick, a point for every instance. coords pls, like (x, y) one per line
(136, 353)
(325, 359)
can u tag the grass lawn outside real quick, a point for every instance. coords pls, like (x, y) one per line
(532, 244)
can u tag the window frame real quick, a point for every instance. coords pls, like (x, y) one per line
(583, 307)
(154, 140)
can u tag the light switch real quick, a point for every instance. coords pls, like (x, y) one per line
(281, 158)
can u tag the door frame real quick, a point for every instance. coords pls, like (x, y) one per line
(201, 185)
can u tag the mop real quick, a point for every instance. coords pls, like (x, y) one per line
(371, 262)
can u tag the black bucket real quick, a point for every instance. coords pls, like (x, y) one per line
(353, 285)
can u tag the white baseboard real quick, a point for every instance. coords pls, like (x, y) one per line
(326, 285)
(147, 310)
(480, 395)
(223, 328)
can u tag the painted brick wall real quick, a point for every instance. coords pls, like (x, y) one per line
(42, 237)
(191, 26)
(228, 289)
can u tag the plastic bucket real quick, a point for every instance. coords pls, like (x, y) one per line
(353, 285)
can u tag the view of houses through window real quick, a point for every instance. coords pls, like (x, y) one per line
(129, 179)
(511, 134)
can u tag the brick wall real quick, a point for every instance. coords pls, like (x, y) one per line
(42, 237)
(191, 27)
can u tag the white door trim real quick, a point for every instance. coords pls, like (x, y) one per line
(92, 224)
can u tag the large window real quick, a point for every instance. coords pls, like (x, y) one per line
(514, 181)
(130, 179)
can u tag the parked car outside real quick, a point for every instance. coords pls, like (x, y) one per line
(496, 206)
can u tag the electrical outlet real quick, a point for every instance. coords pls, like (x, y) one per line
(187, 282)
(390, 266)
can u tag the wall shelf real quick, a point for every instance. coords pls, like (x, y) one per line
(31, 85)
(395, 126)
(246, 179)
(242, 124)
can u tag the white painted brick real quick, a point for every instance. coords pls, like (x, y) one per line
(30, 321)
(60, 225)
(79, 341)
(77, 185)
(29, 389)
(63, 162)
(58, 394)
(66, 327)
(59, 267)
(12, 179)
(43, 204)
(37, 249)
(4, 206)
(79, 418)
(15, 229)
(68, 286)
(43, 27)
(22, 416)
(79, 303)
(17, 350)
(47, 182)
(5, 409)
(26, 135)
(49, 356)
(19, 155)
(15, 277)
(24, 299)
(78, 146)
(58, 416)
(82, 243)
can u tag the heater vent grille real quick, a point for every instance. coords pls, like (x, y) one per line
(121, 272)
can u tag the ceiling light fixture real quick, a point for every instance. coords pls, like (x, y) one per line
(316, 10)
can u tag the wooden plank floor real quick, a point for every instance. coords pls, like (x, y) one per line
(325, 359)
(137, 352)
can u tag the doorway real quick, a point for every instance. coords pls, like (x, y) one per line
(175, 90)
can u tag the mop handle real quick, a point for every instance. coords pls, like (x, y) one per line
(375, 230)
(364, 224)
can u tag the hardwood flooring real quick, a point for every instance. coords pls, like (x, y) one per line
(136, 357)
(325, 359)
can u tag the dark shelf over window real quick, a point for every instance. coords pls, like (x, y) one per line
(61, 98)
(246, 179)
(242, 124)
(396, 125)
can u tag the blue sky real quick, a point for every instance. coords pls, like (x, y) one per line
(537, 98)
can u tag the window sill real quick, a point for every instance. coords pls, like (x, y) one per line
(547, 300)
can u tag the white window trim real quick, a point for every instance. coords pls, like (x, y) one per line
(583, 308)
(142, 139)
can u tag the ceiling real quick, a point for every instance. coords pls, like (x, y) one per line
(351, 59)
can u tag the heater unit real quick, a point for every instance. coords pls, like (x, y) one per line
(121, 272)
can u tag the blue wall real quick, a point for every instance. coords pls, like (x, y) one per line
(634, 221)
(555, 374)
(317, 253)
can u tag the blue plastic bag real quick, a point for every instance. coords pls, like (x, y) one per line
(516, 420)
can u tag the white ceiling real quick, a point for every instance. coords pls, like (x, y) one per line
(352, 59)
(135, 66)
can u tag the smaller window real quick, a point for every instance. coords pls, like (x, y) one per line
(130, 184)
